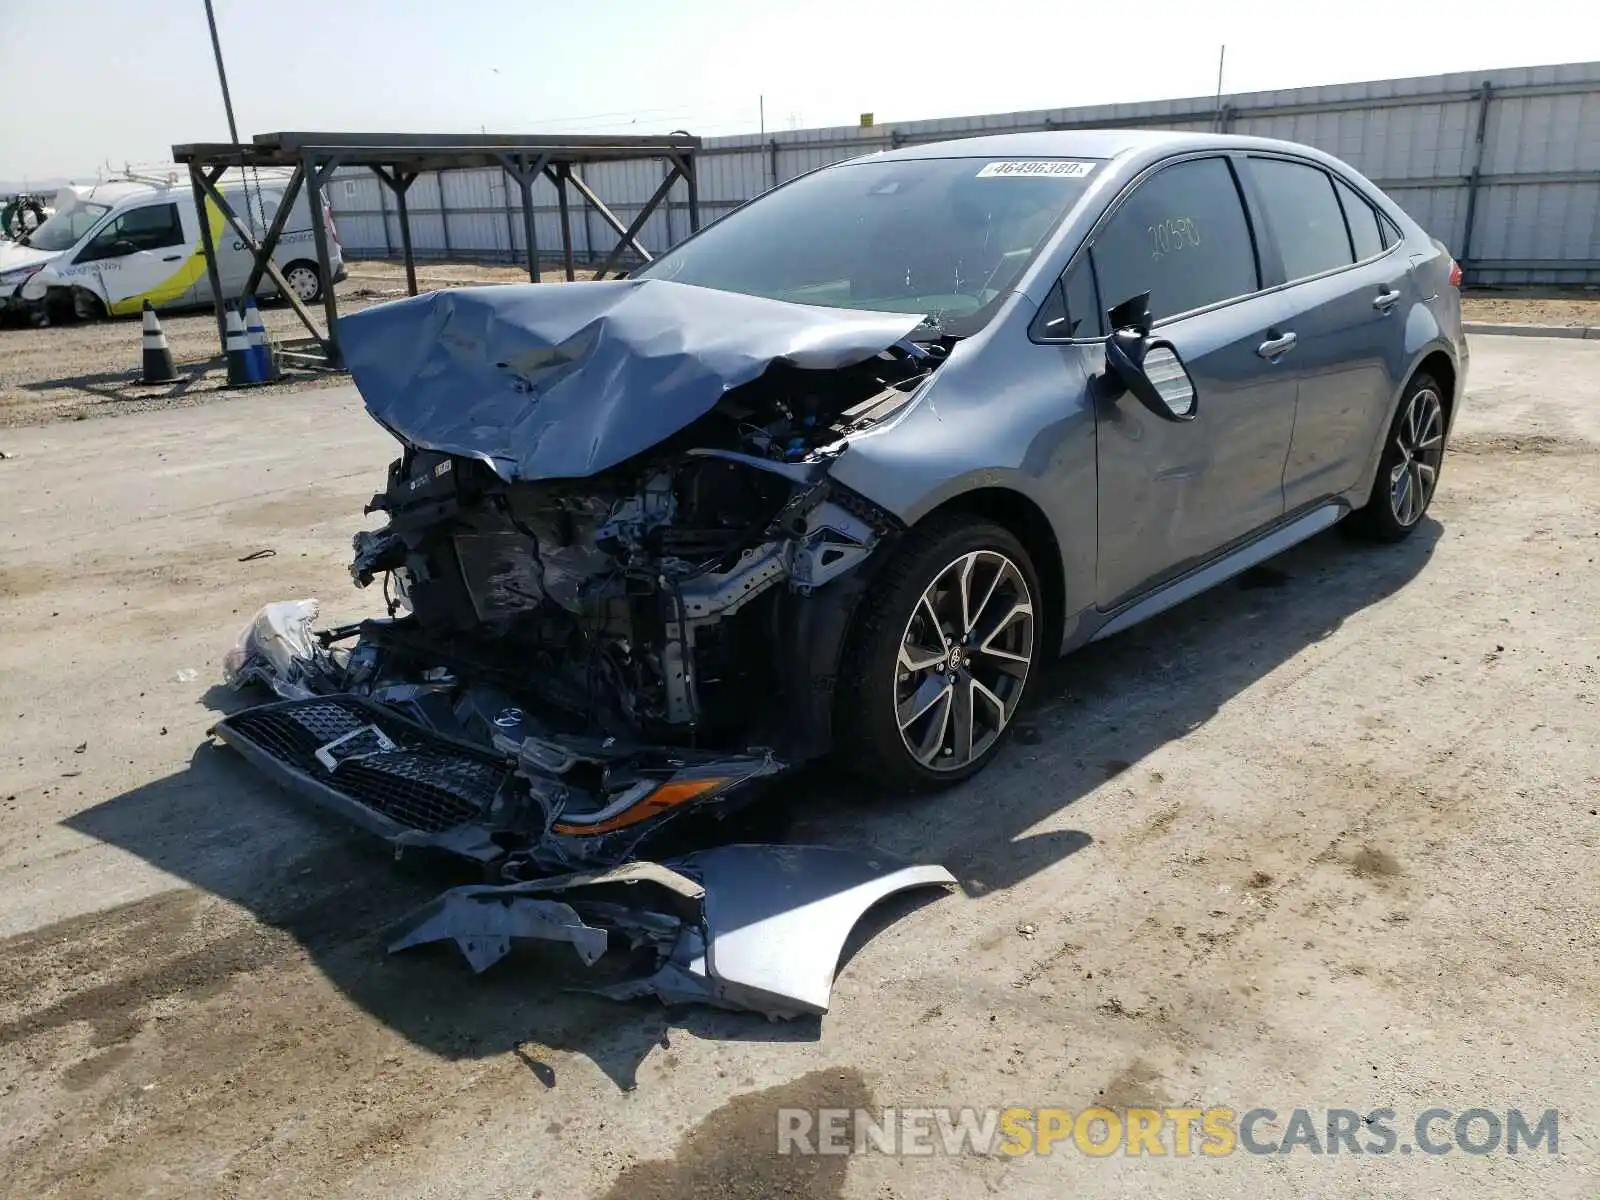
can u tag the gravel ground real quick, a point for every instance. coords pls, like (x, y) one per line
(1323, 837)
(1553, 307)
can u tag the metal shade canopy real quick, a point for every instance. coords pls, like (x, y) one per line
(397, 159)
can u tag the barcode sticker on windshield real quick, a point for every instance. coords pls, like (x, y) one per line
(1014, 168)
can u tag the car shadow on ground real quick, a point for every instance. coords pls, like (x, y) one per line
(1097, 713)
(220, 827)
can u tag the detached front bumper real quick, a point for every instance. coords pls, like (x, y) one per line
(531, 806)
(756, 928)
(389, 775)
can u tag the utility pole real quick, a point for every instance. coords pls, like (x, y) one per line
(222, 76)
(1221, 56)
(763, 102)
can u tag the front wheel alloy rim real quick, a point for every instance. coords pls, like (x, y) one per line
(964, 660)
(304, 283)
(1420, 441)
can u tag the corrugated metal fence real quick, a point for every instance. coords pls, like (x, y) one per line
(1502, 166)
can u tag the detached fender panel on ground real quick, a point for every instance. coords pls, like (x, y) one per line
(744, 927)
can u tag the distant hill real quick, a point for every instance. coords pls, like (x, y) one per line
(10, 187)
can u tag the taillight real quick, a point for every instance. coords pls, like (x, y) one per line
(333, 230)
(1455, 273)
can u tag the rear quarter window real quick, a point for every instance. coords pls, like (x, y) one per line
(1365, 234)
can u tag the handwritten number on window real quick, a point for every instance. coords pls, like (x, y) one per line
(1171, 235)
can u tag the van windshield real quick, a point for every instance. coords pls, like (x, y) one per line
(62, 231)
(946, 237)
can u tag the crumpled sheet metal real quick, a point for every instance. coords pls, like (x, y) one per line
(778, 917)
(279, 649)
(560, 382)
(482, 920)
(770, 926)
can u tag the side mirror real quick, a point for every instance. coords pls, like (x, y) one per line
(1149, 367)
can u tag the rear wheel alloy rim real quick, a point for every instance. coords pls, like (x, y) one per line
(964, 659)
(1420, 441)
(304, 283)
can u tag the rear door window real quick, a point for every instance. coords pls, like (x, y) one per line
(1364, 232)
(1305, 216)
(1182, 236)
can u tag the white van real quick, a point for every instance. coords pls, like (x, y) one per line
(112, 246)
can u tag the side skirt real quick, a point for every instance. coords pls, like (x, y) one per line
(1207, 576)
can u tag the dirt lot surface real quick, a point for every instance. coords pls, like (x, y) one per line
(1577, 307)
(383, 275)
(1325, 837)
(72, 372)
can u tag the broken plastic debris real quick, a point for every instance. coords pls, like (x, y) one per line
(277, 648)
(739, 927)
(482, 920)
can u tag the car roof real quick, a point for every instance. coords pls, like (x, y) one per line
(111, 192)
(117, 191)
(1082, 143)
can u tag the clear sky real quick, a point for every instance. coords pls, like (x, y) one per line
(87, 81)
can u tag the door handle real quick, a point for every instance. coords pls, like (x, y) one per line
(1384, 301)
(173, 258)
(1273, 347)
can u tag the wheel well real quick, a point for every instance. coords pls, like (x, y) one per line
(70, 302)
(1027, 522)
(1438, 365)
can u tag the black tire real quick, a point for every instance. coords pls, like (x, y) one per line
(65, 306)
(86, 306)
(305, 264)
(868, 739)
(1392, 512)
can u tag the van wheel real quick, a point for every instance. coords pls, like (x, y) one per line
(86, 306)
(306, 281)
(62, 306)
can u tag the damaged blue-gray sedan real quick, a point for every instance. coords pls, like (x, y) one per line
(835, 476)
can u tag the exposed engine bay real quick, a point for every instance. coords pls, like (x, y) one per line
(568, 663)
(640, 603)
(617, 577)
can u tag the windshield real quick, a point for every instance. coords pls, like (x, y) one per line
(63, 230)
(946, 237)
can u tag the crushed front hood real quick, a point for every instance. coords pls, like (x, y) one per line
(558, 382)
(13, 256)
